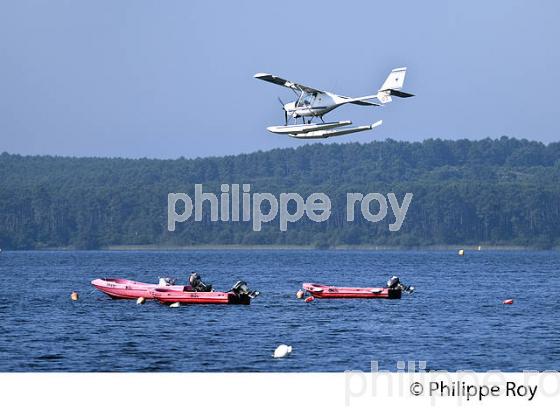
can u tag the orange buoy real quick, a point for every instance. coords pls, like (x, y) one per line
(299, 294)
(508, 302)
(309, 299)
(74, 296)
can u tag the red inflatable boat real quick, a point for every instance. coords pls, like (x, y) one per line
(173, 296)
(165, 292)
(336, 292)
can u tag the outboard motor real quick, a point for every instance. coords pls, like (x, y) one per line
(198, 285)
(242, 290)
(395, 283)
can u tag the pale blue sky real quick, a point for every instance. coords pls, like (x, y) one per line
(174, 78)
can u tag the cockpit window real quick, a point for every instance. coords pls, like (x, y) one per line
(305, 100)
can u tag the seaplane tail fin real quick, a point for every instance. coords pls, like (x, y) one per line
(395, 79)
(393, 85)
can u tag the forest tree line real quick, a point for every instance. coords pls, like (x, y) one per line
(487, 192)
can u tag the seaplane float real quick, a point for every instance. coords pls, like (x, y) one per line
(313, 103)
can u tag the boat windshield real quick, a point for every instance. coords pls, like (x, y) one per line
(305, 100)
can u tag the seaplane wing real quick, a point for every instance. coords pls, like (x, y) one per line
(285, 83)
(325, 130)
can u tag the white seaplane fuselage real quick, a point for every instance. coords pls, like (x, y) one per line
(314, 104)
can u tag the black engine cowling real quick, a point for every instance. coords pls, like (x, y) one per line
(395, 283)
(241, 289)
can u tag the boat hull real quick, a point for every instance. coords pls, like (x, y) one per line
(129, 289)
(336, 292)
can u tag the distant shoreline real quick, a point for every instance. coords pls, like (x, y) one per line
(455, 248)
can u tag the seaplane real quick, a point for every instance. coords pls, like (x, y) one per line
(313, 103)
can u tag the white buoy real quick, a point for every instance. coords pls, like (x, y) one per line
(282, 351)
(74, 296)
(176, 304)
(461, 252)
(300, 294)
(140, 300)
(479, 247)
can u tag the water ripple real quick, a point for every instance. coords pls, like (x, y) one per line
(454, 321)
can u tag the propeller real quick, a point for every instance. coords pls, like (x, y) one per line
(285, 112)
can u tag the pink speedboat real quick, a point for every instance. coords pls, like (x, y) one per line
(239, 294)
(393, 290)
(130, 289)
(337, 292)
(167, 292)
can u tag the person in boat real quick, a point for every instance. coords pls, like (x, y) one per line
(395, 283)
(166, 282)
(197, 284)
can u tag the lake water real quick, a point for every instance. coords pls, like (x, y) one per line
(455, 319)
